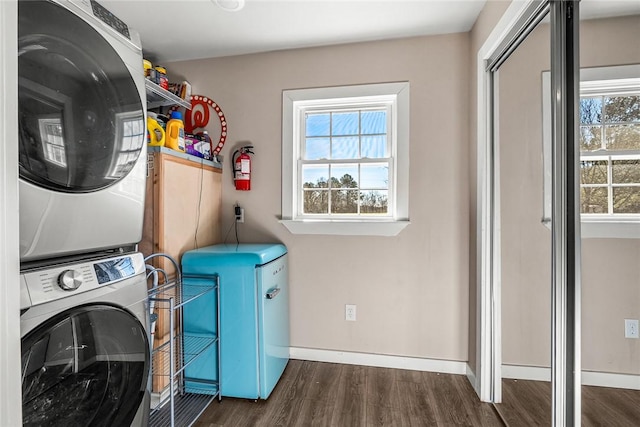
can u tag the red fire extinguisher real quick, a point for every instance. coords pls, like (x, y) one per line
(242, 168)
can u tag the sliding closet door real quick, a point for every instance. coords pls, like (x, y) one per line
(525, 238)
(610, 210)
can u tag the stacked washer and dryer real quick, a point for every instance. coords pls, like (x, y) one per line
(82, 161)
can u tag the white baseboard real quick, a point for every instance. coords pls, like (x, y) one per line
(599, 379)
(379, 360)
(607, 379)
(471, 376)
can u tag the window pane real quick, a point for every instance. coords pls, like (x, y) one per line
(315, 176)
(626, 200)
(316, 201)
(590, 138)
(345, 148)
(318, 124)
(374, 176)
(626, 171)
(374, 122)
(590, 110)
(374, 147)
(623, 137)
(344, 176)
(345, 123)
(593, 200)
(593, 172)
(317, 148)
(373, 202)
(622, 109)
(344, 201)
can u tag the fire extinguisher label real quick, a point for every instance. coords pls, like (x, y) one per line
(246, 166)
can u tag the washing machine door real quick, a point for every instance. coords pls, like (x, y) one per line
(80, 113)
(86, 366)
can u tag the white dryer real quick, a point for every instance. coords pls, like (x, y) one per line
(82, 137)
(85, 344)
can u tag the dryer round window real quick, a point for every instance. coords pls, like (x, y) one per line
(82, 142)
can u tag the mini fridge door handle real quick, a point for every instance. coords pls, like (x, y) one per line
(272, 293)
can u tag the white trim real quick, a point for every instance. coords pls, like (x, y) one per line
(488, 337)
(471, 376)
(290, 128)
(529, 373)
(10, 396)
(590, 378)
(607, 379)
(345, 228)
(379, 360)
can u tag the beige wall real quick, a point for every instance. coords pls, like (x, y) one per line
(411, 290)
(610, 267)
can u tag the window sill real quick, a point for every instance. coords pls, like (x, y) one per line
(345, 228)
(606, 228)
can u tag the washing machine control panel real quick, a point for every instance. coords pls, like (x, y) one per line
(66, 280)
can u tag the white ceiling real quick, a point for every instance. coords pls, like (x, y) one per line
(176, 30)
(173, 30)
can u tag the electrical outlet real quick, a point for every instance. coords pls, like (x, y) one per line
(239, 213)
(350, 312)
(631, 328)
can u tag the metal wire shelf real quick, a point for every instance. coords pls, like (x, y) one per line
(179, 401)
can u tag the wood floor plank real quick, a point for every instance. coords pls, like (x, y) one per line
(285, 409)
(380, 385)
(350, 407)
(320, 398)
(445, 399)
(325, 381)
(526, 403)
(415, 409)
(480, 413)
(620, 407)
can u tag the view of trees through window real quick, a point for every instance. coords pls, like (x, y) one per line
(610, 154)
(345, 162)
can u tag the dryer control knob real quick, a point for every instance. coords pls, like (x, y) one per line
(70, 280)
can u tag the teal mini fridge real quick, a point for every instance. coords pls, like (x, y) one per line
(254, 318)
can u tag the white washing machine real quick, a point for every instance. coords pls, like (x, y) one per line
(82, 135)
(85, 344)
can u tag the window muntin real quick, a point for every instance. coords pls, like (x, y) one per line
(345, 163)
(604, 143)
(610, 154)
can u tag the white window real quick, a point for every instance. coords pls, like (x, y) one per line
(346, 159)
(609, 152)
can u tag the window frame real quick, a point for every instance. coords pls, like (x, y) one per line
(593, 82)
(294, 105)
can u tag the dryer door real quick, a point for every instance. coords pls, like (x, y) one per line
(86, 366)
(80, 113)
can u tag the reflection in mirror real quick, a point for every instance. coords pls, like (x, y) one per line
(610, 204)
(610, 189)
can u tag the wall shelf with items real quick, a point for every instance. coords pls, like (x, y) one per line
(159, 97)
(176, 400)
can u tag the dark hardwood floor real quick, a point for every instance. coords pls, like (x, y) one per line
(529, 403)
(329, 394)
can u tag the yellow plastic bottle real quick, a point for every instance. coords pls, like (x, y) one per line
(175, 132)
(155, 132)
